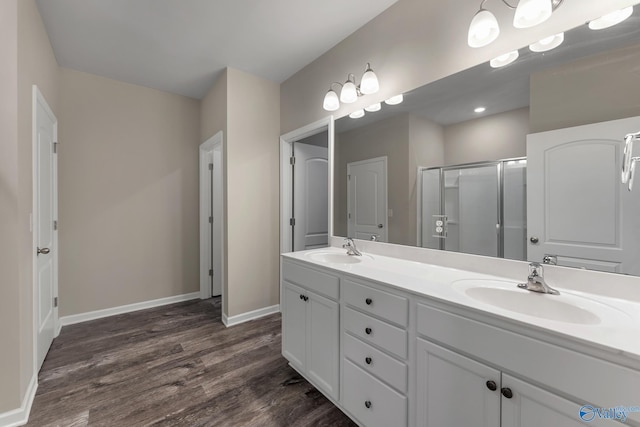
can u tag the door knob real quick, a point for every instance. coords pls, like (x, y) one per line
(534, 240)
(380, 225)
(43, 251)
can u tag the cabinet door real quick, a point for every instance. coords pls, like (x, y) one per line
(322, 346)
(294, 321)
(531, 406)
(453, 391)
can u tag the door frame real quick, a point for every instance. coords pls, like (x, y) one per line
(215, 143)
(385, 162)
(286, 177)
(39, 99)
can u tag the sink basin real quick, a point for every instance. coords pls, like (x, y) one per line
(565, 307)
(337, 258)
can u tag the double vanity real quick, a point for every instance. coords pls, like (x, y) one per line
(398, 343)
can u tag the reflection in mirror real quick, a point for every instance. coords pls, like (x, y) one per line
(432, 171)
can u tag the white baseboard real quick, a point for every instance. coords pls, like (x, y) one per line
(20, 416)
(99, 314)
(250, 315)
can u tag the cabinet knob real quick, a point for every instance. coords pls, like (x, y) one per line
(368, 331)
(367, 403)
(368, 360)
(368, 301)
(506, 392)
(302, 297)
(306, 298)
(491, 385)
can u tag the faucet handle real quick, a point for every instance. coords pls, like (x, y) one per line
(536, 269)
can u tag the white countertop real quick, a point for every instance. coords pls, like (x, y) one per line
(617, 331)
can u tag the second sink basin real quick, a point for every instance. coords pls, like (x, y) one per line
(565, 307)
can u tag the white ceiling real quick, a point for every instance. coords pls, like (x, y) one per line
(181, 46)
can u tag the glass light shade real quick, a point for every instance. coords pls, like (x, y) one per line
(369, 83)
(483, 29)
(357, 114)
(348, 94)
(504, 60)
(480, 110)
(374, 107)
(394, 100)
(547, 43)
(530, 13)
(331, 101)
(611, 19)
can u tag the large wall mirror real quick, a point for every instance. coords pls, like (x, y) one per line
(520, 162)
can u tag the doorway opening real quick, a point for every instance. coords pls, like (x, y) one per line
(305, 178)
(211, 217)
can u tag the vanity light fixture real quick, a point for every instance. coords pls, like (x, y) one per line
(480, 110)
(350, 91)
(484, 27)
(357, 114)
(504, 60)
(394, 100)
(373, 107)
(547, 43)
(611, 19)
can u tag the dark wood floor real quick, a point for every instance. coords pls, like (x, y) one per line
(175, 365)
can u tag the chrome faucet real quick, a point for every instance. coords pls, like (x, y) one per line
(535, 281)
(350, 246)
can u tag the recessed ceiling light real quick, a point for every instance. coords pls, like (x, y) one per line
(357, 114)
(504, 60)
(394, 100)
(480, 109)
(611, 19)
(547, 43)
(374, 107)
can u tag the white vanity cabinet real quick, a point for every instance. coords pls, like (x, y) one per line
(310, 334)
(375, 352)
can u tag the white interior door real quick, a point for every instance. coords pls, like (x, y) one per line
(45, 224)
(577, 209)
(367, 199)
(311, 197)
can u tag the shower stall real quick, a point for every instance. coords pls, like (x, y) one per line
(476, 208)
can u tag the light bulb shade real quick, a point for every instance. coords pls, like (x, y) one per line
(374, 107)
(483, 29)
(394, 100)
(611, 19)
(348, 94)
(504, 60)
(331, 101)
(369, 83)
(547, 43)
(357, 114)
(530, 13)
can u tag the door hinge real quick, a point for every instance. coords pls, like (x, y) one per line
(55, 147)
(55, 224)
(55, 302)
(292, 222)
(210, 220)
(211, 272)
(210, 166)
(349, 215)
(349, 177)
(292, 160)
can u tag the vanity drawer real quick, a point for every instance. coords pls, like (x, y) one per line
(317, 281)
(382, 334)
(370, 401)
(383, 304)
(375, 362)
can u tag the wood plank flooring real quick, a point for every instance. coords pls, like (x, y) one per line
(175, 365)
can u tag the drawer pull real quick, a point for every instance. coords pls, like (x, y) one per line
(491, 385)
(368, 360)
(368, 331)
(368, 301)
(367, 403)
(506, 392)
